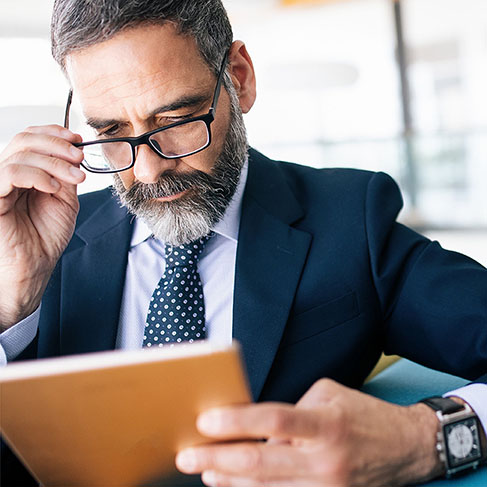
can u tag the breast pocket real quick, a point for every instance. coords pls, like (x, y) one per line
(320, 319)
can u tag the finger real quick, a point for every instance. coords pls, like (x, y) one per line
(278, 441)
(250, 459)
(55, 130)
(8, 202)
(17, 176)
(57, 168)
(46, 144)
(217, 479)
(259, 421)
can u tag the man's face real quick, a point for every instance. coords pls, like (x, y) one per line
(145, 78)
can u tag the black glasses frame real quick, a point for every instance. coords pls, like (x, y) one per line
(144, 139)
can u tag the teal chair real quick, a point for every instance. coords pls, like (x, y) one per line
(406, 383)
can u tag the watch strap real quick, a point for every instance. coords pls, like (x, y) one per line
(443, 404)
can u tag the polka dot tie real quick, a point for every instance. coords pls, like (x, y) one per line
(177, 308)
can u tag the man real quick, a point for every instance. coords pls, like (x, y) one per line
(306, 268)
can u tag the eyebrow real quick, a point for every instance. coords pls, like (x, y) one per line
(184, 102)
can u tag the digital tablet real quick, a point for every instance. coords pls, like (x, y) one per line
(114, 418)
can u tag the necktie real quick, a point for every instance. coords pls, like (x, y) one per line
(177, 309)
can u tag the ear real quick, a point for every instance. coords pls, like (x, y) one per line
(243, 75)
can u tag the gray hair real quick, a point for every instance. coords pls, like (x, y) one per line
(78, 24)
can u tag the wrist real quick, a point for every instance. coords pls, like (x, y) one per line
(427, 465)
(483, 437)
(15, 307)
(10, 318)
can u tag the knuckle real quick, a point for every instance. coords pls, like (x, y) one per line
(325, 384)
(17, 158)
(323, 390)
(57, 164)
(55, 141)
(11, 171)
(21, 138)
(278, 422)
(230, 421)
(54, 126)
(210, 457)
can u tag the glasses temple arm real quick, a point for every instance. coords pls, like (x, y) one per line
(67, 110)
(219, 82)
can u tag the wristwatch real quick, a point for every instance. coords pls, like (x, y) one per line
(458, 438)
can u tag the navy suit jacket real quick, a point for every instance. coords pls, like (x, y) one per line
(326, 280)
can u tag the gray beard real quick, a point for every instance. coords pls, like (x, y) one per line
(194, 214)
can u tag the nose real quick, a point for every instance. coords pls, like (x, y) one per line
(149, 166)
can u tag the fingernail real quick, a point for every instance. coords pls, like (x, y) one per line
(209, 478)
(209, 422)
(76, 152)
(186, 460)
(75, 172)
(55, 184)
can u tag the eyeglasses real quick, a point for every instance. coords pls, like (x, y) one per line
(174, 141)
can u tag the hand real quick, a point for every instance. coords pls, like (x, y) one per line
(334, 436)
(39, 171)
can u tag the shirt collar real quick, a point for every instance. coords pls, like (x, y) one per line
(227, 227)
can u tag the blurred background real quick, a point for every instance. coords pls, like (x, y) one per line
(391, 85)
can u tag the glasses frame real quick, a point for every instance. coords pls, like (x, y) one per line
(144, 139)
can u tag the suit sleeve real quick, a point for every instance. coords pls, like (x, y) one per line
(482, 379)
(433, 301)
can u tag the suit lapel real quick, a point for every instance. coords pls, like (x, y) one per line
(270, 258)
(93, 274)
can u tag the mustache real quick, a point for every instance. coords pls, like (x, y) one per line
(171, 183)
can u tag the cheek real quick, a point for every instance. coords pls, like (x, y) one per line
(200, 162)
(205, 160)
(127, 178)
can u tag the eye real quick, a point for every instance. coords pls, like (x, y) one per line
(110, 132)
(175, 119)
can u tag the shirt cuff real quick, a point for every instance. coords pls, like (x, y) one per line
(17, 338)
(476, 396)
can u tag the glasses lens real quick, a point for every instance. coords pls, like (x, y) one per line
(109, 156)
(181, 140)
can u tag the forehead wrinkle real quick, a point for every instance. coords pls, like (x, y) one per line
(142, 109)
(93, 92)
(141, 86)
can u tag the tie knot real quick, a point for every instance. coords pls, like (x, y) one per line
(186, 254)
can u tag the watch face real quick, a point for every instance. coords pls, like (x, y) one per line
(463, 442)
(460, 441)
